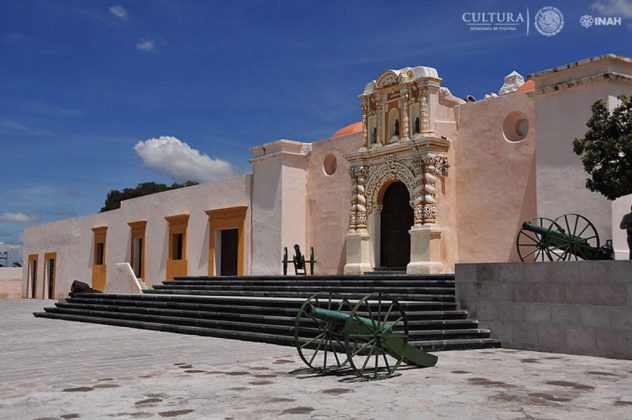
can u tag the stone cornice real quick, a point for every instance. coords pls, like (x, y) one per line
(604, 76)
(419, 144)
(280, 148)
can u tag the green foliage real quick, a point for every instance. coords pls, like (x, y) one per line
(606, 149)
(114, 198)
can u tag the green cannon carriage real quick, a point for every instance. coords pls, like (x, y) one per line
(370, 338)
(569, 237)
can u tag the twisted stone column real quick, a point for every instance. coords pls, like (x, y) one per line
(358, 214)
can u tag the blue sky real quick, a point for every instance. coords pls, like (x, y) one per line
(83, 82)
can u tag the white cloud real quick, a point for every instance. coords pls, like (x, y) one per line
(172, 157)
(146, 45)
(14, 253)
(621, 8)
(9, 247)
(119, 11)
(19, 128)
(17, 217)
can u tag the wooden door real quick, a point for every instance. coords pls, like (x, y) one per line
(395, 221)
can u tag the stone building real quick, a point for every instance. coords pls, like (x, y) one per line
(425, 181)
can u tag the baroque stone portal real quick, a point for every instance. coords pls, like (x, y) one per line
(410, 153)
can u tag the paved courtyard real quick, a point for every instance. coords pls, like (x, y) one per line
(62, 370)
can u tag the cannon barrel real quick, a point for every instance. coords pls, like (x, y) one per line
(339, 318)
(570, 244)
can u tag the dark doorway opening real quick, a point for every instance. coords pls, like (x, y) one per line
(396, 220)
(229, 251)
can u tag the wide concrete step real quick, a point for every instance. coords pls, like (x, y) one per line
(307, 282)
(285, 318)
(243, 301)
(297, 294)
(304, 289)
(267, 325)
(326, 278)
(428, 345)
(412, 311)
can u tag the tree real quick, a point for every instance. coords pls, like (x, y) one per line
(114, 197)
(606, 149)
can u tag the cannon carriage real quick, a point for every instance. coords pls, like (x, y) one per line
(569, 237)
(369, 337)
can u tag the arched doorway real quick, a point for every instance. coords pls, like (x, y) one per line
(396, 220)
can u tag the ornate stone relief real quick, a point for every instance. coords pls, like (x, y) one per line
(418, 172)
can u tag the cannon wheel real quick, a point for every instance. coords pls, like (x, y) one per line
(532, 247)
(367, 352)
(318, 342)
(582, 235)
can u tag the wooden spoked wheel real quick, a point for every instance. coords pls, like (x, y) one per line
(319, 343)
(533, 246)
(581, 233)
(384, 326)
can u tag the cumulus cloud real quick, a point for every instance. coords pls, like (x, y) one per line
(17, 218)
(119, 11)
(175, 158)
(146, 45)
(621, 8)
(9, 247)
(14, 252)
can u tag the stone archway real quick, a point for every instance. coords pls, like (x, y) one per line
(396, 219)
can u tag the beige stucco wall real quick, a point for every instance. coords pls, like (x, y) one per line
(494, 179)
(279, 202)
(329, 198)
(562, 106)
(72, 239)
(10, 282)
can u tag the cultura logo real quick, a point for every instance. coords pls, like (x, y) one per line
(549, 21)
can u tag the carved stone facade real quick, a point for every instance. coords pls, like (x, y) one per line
(393, 150)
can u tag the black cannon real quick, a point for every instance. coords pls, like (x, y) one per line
(299, 262)
(568, 237)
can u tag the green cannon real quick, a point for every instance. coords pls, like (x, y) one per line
(569, 237)
(370, 338)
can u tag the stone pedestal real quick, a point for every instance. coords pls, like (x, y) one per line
(358, 253)
(424, 250)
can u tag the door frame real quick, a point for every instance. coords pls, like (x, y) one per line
(227, 218)
(47, 257)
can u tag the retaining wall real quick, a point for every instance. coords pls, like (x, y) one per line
(582, 307)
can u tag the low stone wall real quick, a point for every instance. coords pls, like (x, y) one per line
(10, 282)
(582, 307)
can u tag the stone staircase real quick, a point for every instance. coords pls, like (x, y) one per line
(263, 308)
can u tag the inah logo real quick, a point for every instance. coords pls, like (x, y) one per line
(549, 21)
(587, 21)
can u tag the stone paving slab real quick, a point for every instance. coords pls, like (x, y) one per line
(61, 370)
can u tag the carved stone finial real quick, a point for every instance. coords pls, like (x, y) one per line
(512, 82)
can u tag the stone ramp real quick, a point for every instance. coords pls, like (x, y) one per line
(264, 308)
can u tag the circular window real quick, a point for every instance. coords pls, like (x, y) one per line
(516, 126)
(329, 164)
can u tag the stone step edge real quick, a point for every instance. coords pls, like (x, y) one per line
(429, 345)
(219, 315)
(283, 329)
